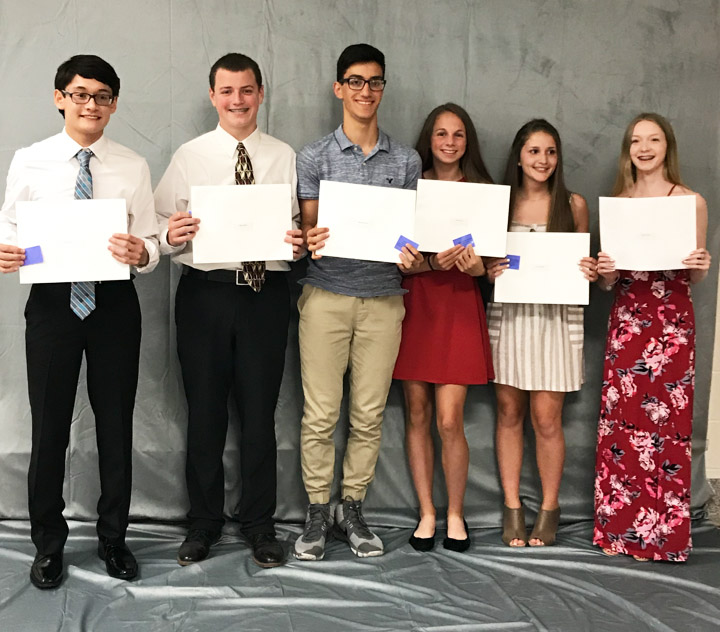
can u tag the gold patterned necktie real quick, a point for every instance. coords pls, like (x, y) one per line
(253, 271)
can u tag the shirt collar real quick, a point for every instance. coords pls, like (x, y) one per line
(229, 142)
(383, 143)
(68, 148)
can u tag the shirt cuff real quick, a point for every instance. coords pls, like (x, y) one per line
(165, 247)
(153, 256)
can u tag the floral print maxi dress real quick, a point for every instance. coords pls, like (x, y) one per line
(642, 474)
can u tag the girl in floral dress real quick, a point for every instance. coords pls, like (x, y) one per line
(642, 476)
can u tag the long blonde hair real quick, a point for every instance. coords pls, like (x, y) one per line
(627, 174)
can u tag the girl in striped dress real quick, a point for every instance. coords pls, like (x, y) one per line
(537, 349)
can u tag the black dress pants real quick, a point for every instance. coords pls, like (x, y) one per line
(55, 340)
(232, 339)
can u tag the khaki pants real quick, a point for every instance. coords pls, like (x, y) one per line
(338, 332)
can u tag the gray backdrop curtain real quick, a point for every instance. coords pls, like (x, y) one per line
(588, 67)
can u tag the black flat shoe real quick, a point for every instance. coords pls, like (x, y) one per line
(196, 546)
(120, 563)
(267, 552)
(459, 546)
(47, 571)
(421, 544)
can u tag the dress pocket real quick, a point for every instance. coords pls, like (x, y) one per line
(494, 322)
(576, 328)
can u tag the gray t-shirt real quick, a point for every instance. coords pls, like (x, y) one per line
(334, 157)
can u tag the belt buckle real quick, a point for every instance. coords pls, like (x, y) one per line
(240, 278)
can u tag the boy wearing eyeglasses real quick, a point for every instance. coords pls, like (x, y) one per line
(350, 311)
(66, 320)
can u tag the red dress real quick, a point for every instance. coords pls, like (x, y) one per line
(444, 333)
(642, 474)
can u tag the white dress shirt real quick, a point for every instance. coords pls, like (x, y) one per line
(209, 160)
(48, 169)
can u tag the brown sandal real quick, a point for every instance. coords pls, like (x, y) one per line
(610, 552)
(514, 526)
(545, 527)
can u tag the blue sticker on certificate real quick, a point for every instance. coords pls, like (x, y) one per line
(33, 255)
(402, 241)
(514, 261)
(464, 241)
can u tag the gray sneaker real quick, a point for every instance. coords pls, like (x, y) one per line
(351, 527)
(311, 544)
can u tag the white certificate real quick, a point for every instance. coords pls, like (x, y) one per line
(446, 211)
(654, 233)
(546, 269)
(73, 236)
(365, 222)
(242, 223)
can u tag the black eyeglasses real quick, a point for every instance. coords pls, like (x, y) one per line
(101, 98)
(377, 84)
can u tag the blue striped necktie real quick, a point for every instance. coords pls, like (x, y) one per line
(82, 293)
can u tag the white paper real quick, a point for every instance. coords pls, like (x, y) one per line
(365, 222)
(73, 236)
(654, 233)
(447, 210)
(242, 223)
(549, 270)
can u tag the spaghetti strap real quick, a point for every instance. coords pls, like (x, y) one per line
(671, 190)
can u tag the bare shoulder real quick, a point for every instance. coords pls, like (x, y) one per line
(578, 203)
(580, 213)
(700, 202)
(681, 189)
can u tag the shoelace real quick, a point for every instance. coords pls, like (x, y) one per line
(355, 520)
(317, 523)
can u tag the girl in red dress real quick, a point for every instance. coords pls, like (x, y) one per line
(642, 476)
(445, 343)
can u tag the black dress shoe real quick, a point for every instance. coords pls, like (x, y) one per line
(47, 570)
(422, 544)
(266, 550)
(119, 561)
(196, 546)
(459, 546)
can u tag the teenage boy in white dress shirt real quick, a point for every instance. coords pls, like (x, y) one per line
(230, 336)
(56, 337)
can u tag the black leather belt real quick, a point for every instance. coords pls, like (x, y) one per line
(223, 276)
(132, 278)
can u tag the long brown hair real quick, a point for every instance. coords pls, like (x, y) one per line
(471, 162)
(560, 218)
(627, 173)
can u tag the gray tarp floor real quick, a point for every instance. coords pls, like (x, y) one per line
(570, 587)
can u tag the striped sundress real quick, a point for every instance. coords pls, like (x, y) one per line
(537, 347)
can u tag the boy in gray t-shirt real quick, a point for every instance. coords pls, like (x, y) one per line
(351, 311)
